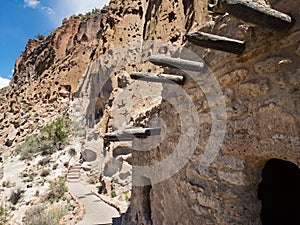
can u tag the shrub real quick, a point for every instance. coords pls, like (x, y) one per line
(29, 175)
(51, 137)
(113, 194)
(40, 215)
(54, 167)
(58, 131)
(127, 195)
(15, 196)
(4, 215)
(40, 37)
(44, 161)
(95, 11)
(58, 189)
(8, 184)
(71, 153)
(45, 173)
(30, 147)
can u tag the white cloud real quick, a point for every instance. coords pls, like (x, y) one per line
(35, 4)
(31, 3)
(66, 8)
(4, 82)
(48, 10)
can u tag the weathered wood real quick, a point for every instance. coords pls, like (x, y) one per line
(112, 137)
(252, 12)
(131, 133)
(182, 64)
(142, 132)
(156, 77)
(216, 42)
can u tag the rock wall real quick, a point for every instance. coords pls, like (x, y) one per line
(261, 91)
(46, 76)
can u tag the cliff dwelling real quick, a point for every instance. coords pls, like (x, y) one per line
(254, 58)
(184, 112)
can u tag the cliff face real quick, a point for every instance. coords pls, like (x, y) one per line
(261, 90)
(83, 67)
(50, 71)
(46, 75)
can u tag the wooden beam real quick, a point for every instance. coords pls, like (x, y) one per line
(131, 133)
(216, 42)
(142, 132)
(113, 137)
(182, 64)
(255, 13)
(156, 77)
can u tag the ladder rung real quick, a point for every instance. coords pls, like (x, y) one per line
(110, 137)
(131, 133)
(182, 64)
(216, 42)
(252, 12)
(156, 77)
(142, 131)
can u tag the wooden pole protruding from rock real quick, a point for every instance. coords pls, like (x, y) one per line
(157, 77)
(177, 63)
(216, 42)
(255, 13)
(131, 133)
(142, 132)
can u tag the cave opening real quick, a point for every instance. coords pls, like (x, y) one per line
(146, 199)
(147, 190)
(279, 192)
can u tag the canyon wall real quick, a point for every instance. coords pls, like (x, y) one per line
(261, 94)
(83, 68)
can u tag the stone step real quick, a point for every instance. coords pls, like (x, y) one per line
(131, 133)
(73, 177)
(77, 165)
(156, 77)
(255, 13)
(216, 42)
(75, 168)
(177, 63)
(73, 174)
(74, 171)
(74, 181)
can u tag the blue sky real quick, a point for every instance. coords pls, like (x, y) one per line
(21, 20)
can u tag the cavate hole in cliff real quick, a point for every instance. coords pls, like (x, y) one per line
(279, 192)
(146, 199)
(171, 17)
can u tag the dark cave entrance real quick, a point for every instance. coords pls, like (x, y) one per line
(146, 200)
(279, 192)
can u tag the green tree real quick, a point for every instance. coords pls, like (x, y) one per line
(40, 37)
(51, 138)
